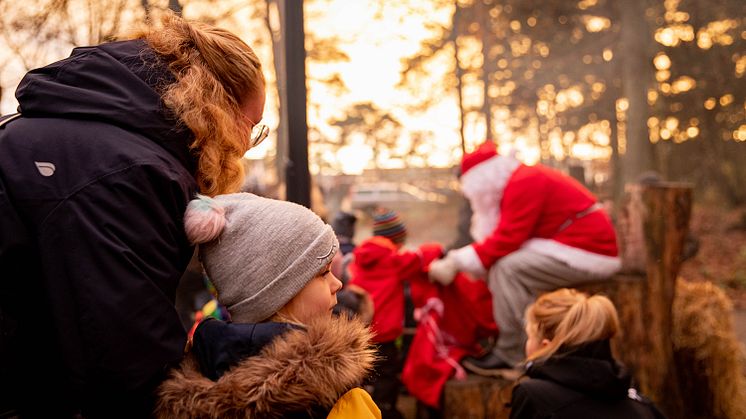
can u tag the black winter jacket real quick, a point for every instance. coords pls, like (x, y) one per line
(220, 346)
(94, 180)
(579, 382)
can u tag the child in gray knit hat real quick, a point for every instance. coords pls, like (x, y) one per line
(282, 354)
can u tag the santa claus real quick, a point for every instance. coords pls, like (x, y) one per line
(535, 230)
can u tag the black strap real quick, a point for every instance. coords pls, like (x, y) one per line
(7, 118)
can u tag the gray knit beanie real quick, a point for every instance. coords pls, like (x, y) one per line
(258, 252)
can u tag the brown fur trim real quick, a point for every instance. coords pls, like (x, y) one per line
(298, 370)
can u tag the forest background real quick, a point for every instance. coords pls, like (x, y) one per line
(605, 90)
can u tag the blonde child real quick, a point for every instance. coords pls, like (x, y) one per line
(282, 354)
(571, 372)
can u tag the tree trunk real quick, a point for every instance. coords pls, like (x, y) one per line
(652, 230)
(577, 172)
(636, 72)
(459, 74)
(487, 64)
(146, 7)
(277, 60)
(463, 235)
(617, 181)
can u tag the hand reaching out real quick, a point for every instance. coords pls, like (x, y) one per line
(443, 271)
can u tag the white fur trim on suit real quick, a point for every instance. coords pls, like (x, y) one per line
(483, 186)
(594, 263)
(467, 260)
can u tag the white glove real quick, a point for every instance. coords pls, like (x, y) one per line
(467, 260)
(443, 271)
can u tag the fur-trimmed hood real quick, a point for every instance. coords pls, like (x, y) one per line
(299, 371)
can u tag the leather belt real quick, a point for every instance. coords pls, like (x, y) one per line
(593, 208)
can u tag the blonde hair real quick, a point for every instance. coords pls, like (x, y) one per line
(216, 73)
(567, 317)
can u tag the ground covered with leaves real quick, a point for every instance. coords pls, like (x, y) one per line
(721, 257)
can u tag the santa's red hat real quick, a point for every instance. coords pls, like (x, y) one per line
(484, 152)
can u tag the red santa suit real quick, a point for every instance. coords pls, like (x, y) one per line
(553, 228)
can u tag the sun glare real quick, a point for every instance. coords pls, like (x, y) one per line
(354, 158)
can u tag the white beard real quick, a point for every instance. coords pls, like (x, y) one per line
(486, 215)
(483, 186)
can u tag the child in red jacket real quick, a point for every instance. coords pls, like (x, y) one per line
(380, 267)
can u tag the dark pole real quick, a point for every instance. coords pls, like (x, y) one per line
(175, 6)
(293, 118)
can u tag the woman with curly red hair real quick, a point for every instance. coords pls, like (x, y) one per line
(95, 174)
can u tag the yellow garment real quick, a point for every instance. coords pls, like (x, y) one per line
(355, 404)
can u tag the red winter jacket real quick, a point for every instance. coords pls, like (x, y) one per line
(380, 268)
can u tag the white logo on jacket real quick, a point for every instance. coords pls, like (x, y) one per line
(45, 168)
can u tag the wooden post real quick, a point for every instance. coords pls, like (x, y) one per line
(653, 225)
(478, 397)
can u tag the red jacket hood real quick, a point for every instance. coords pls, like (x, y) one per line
(372, 250)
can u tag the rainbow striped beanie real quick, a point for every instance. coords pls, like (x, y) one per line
(387, 224)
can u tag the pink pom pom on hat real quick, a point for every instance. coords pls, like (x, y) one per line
(484, 152)
(204, 219)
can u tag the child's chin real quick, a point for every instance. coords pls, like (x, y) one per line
(326, 315)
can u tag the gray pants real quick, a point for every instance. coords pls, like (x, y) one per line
(515, 281)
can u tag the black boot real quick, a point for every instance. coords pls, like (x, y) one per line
(488, 365)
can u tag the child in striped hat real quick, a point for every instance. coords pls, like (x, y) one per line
(380, 267)
(386, 223)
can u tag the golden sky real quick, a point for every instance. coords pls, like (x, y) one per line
(375, 48)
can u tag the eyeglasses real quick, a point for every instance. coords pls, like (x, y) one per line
(258, 134)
